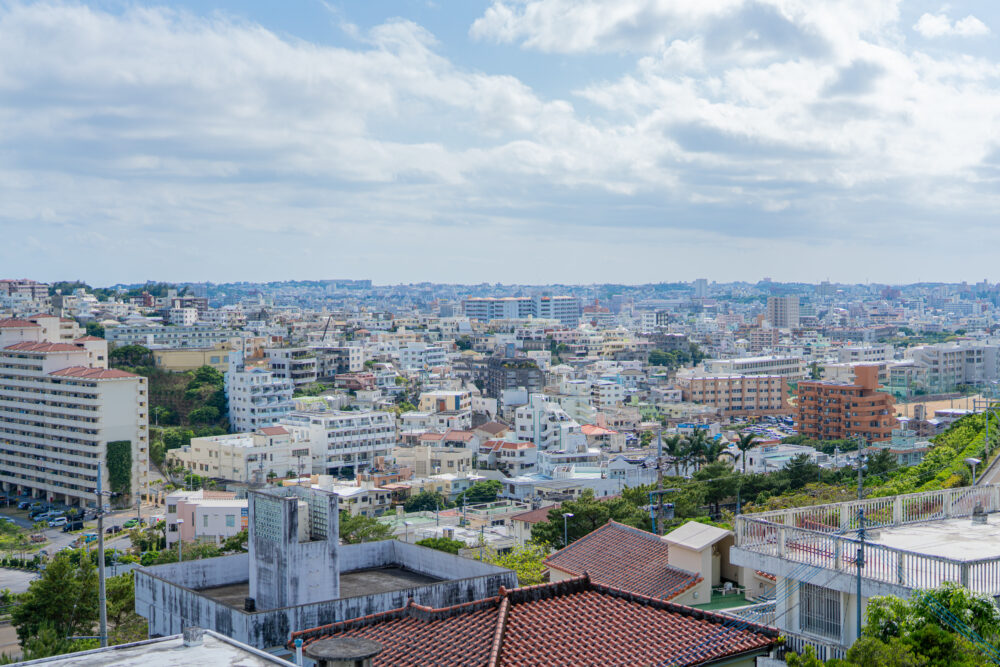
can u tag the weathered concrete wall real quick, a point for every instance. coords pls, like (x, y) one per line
(162, 596)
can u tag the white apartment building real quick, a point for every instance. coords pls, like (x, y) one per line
(204, 516)
(783, 311)
(427, 461)
(198, 335)
(950, 364)
(344, 443)
(184, 317)
(566, 309)
(855, 354)
(60, 407)
(787, 367)
(297, 364)
(547, 425)
(245, 457)
(605, 394)
(418, 422)
(256, 397)
(418, 356)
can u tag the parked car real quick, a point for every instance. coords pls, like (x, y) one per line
(37, 537)
(23, 505)
(73, 525)
(57, 522)
(112, 530)
(131, 523)
(89, 537)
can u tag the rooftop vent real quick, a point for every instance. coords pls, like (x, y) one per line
(978, 515)
(193, 636)
(343, 652)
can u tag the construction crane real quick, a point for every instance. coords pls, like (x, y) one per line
(327, 326)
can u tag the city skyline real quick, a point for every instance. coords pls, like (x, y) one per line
(536, 141)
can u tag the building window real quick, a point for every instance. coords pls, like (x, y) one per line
(819, 610)
(230, 521)
(204, 520)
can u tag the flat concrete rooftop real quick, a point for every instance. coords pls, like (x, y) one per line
(352, 584)
(957, 539)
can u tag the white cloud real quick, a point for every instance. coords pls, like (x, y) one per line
(939, 25)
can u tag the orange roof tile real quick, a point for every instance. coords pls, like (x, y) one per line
(29, 346)
(93, 373)
(14, 323)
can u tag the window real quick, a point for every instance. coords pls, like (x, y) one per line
(171, 509)
(230, 521)
(819, 610)
(204, 520)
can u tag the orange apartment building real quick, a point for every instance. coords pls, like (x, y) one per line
(836, 411)
(739, 395)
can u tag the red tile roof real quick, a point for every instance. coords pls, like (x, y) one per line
(14, 323)
(572, 622)
(29, 346)
(535, 516)
(494, 428)
(627, 558)
(273, 430)
(93, 373)
(83, 339)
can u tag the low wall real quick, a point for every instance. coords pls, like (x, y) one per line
(165, 595)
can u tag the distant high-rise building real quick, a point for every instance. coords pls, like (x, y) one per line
(783, 311)
(700, 288)
(566, 309)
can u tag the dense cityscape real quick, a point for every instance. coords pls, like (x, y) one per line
(305, 447)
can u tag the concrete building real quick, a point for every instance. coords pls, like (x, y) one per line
(256, 397)
(191, 358)
(426, 461)
(783, 311)
(566, 309)
(204, 516)
(62, 411)
(297, 576)
(829, 411)
(739, 395)
(296, 364)
(948, 365)
(547, 425)
(854, 354)
(150, 335)
(344, 443)
(445, 401)
(503, 373)
(420, 356)
(786, 367)
(245, 457)
(915, 541)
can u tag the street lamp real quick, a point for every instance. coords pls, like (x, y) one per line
(973, 462)
(179, 540)
(566, 517)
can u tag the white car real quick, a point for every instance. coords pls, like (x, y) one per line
(58, 521)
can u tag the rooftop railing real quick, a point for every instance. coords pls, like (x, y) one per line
(825, 536)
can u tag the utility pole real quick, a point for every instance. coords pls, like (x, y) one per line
(659, 481)
(860, 560)
(102, 601)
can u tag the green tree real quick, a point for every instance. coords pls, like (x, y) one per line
(589, 514)
(356, 529)
(124, 625)
(719, 482)
(480, 492)
(442, 544)
(131, 356)
(236, 543)
(95, 329)
(203, 415)
(63, 598)
(645, 438)
(425, 501)
(528, 561)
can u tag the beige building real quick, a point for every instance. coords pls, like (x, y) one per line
(61, 409)
(178, 360)
(426, 461)
(245, 457)
(740, 395)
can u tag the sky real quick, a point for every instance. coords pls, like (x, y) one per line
(516, 141)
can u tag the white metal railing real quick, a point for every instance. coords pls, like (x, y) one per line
(825, 650)
(823, 536)
(761, 613)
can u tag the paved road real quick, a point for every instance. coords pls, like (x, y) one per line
(8, 641)
(16, 580)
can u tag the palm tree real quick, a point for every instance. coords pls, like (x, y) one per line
(697, 447)
(674, 446)
(744, 444)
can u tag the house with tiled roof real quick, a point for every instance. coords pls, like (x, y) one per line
(521, 524)
(573, 622)
(627, 558)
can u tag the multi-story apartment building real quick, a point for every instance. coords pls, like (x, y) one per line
(786, 367)
(834, 411)
(245, 457)
(445, 401)
(605, 394)
(426, 461)
(27, 288)
(547, 425)
(566, 309)
(510, 373)
(854, 354)
(198, 335)
(783, 311)
(948, 365)
(344, 443)
(296, 364)
(63, 412)
(739, 395)
(416, 356)
(256, 397)
(184, 317)
(333, 360)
